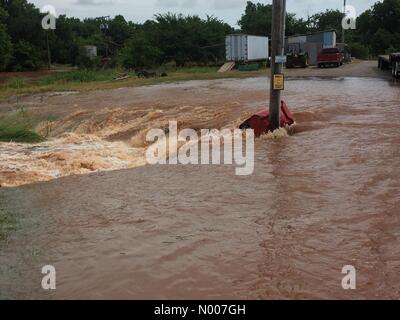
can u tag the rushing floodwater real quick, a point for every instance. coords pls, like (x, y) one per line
(323, 198)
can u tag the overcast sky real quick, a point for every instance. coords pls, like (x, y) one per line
(227, 10)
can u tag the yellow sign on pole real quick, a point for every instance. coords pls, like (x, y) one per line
(279, 81)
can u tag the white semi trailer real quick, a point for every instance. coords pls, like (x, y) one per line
(246, 48)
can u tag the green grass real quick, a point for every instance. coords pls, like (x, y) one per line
(188, 70)
(89, 80)
(18, 127)
(79, 76)
(8, 222)
(86, 76)
(14, 84)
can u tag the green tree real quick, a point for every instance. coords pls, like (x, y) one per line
(23, 23)
(296, 26)
(119, 30)
(386, 14)
(139, 53)
(257, 19)
(5, 48)
(3, 15)
(378, 28)
(187, 39)
(328, 20)
(214, 31)
(26, 56)
(381, 39)
(5, 42)
(64, 40)
(359, 51)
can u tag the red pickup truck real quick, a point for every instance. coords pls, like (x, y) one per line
(330, 56)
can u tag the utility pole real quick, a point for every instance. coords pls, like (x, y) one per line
(277, 52)
(344, 12)
(104, 27)
(48, 50)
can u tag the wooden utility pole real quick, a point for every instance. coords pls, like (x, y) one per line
(344, 12)
(277, 50)
(104, 27)
(48, 50)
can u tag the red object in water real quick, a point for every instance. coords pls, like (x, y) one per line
(260, 121)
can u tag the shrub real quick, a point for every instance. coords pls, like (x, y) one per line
(85, 62)
(359, 51)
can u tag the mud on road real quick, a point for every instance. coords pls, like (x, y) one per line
(320, 199)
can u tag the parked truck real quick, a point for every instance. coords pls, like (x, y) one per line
(391, 62)
(330, 56)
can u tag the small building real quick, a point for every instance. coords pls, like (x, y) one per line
(312, 43)
(91, 51)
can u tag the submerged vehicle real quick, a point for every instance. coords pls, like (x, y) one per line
(260, 121)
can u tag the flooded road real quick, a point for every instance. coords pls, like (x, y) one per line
(325, 197)
(106, 130)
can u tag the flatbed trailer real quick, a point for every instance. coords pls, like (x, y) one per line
(391, 62)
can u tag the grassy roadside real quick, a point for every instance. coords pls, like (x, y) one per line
(18, 126)
(86, 80)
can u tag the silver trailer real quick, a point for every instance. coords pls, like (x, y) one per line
(246, 48)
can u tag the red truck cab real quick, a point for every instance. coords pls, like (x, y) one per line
(330, 56)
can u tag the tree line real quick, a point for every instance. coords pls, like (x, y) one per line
(170, 38)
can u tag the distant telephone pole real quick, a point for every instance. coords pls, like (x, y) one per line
(48, 51)
(104, 27)
(344, 12)
(277, 50)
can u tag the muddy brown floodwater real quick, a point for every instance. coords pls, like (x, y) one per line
(325, 197)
